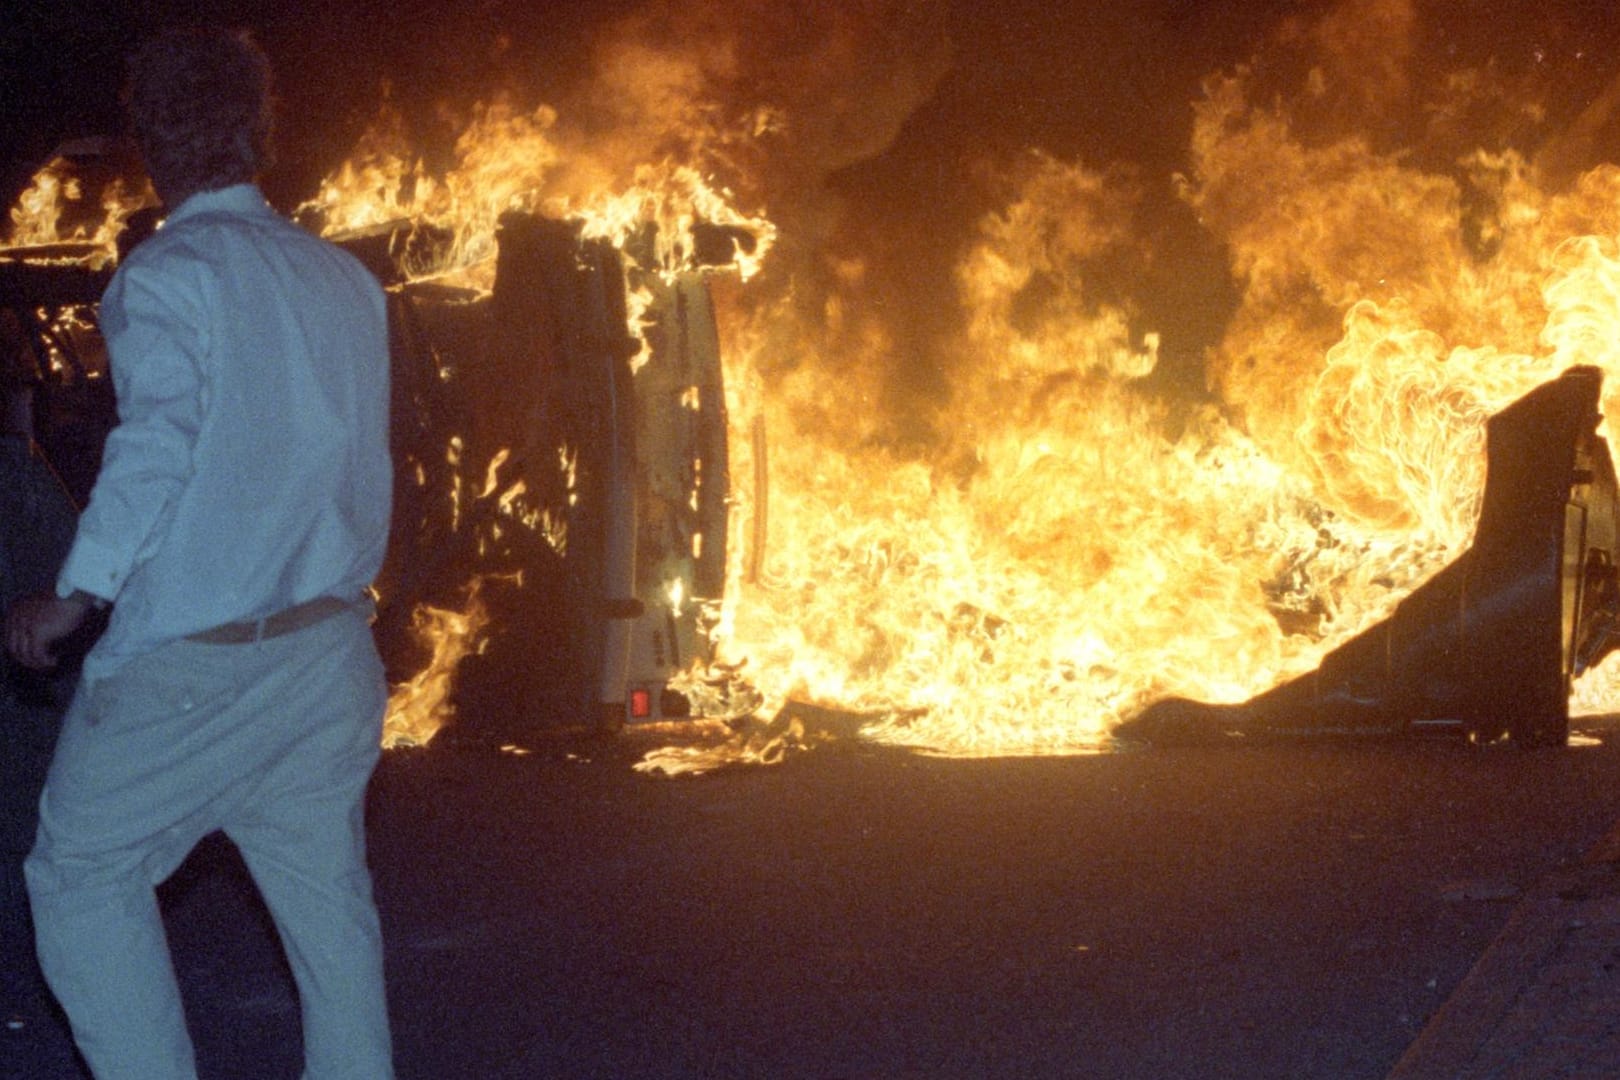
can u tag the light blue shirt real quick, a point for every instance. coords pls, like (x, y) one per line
(249, 470)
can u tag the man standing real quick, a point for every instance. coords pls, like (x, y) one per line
(239, 516)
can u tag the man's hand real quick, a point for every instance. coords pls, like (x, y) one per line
(36, 624)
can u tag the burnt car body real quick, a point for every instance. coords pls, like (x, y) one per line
(1489, 646)
(576, 473)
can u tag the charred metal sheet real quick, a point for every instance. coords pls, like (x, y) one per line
(512, 440)
(618, 444)
(50, 276)
(1489, 646)
(683, 490)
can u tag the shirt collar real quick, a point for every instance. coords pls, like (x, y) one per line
(236, 199)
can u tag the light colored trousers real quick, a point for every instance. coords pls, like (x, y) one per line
(272, 742)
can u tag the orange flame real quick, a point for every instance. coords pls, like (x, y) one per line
(1084, 544)
(53, 210)
(419, 707)
(1085, 535)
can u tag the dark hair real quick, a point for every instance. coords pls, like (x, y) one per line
(200, 106)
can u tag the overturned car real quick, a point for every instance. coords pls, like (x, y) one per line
(565, 476)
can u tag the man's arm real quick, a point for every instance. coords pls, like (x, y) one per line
(156, 332)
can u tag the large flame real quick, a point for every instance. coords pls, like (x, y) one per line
(1057, 531)
(1082, 542)
(62, 217)
(1081, 535)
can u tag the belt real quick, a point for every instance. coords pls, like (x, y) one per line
(282, 622)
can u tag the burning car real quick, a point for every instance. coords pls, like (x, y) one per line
(1056, 435)
(561, 484)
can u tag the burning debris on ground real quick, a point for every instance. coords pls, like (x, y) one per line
(1490, 645)
(721, 392)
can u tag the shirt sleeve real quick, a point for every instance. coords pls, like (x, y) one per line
(157, 338)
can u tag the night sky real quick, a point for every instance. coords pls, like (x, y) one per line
(1103, 83)
(61, 65)
(1106, 80)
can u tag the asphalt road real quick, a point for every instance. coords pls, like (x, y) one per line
(1278, 911)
